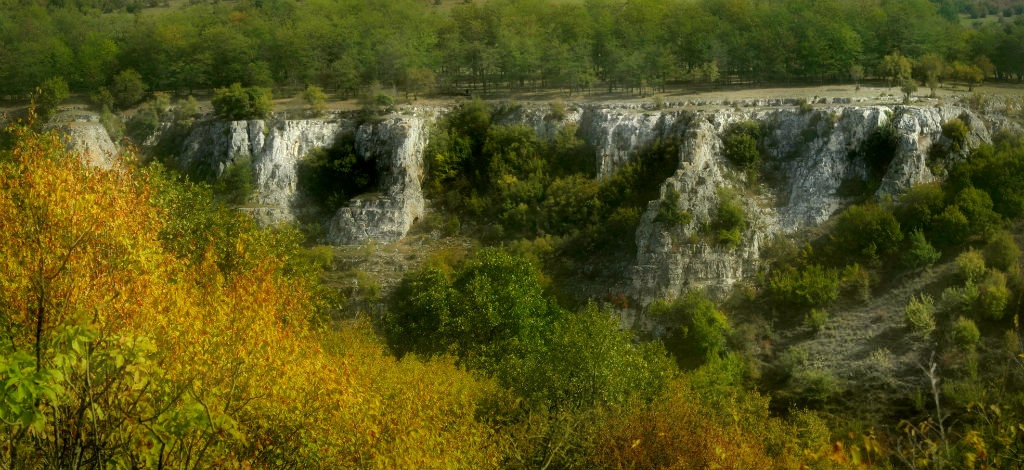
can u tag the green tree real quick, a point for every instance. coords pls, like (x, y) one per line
(236, 103)
(1002, 252)
(920, 253)
(909, 87)
(585, 360)
(868, 231)
(315, 98)
(919, 315)
(740, 144)
(48, 96)
(699, 331)
(894, 68)
(127, 88)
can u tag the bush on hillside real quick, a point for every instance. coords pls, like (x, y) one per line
(1002, 252)
(919, 315)
(238, 103)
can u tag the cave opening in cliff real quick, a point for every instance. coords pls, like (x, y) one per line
(331, 176)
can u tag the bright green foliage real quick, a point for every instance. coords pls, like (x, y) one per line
(964, 333)
(894, 68)
(127, 88)
(816, 318)
(669, 213)
(921, 204)
(315, 98)
(920, 254)
(868, 231)
(571, 203)
(1002, 252)
(492, 314)
(951, 227)
(808, 287)
(376, 102)
(970, 266)
(236, 183)
(919, 315)
(490, 309)
(585, 360)
(730, 219)
(455, 153)
(976, 205)
(699, 331)
(908, 87)
(997, 170)
(956, 131)
(237, 103)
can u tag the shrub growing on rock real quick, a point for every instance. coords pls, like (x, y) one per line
(740, 144)
(956, 131)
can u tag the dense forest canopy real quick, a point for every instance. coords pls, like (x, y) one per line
(417, 45)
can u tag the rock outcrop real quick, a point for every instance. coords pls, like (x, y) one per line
(813, 155)
(397, 145)
(274, 148)
(87, 137)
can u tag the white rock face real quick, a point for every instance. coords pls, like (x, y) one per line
(617, 134)
(87, 137)
(397, 144)
(274, 148)
(673, 258)
(814, 153)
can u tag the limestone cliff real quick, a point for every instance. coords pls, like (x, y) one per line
(275, 148)
(87, 137)
(812, 158)
(813, 155)
(397, 145)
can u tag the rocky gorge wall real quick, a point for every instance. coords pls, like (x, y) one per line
(276, 147)
(812, 155)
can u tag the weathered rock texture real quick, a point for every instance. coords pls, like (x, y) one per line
(275, 149)
(813, 155)
(87, 137)
(397, 145)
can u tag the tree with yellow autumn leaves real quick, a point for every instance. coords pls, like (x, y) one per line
(143, 327)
